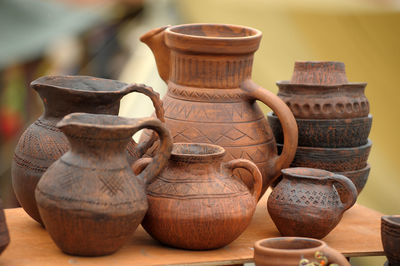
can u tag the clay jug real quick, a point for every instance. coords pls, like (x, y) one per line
(310, 202)
(4, 235)
(290, 251)
(89, 200)
(211, 97)
(43, 143)
(196, 202)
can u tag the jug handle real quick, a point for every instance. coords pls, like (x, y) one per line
(153, 166)
(349, 197)
(252, 168)
(334, 256)
(154, 96)
(287, 120)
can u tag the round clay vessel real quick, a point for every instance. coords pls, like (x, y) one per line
(390, 234)
(358, 177)
(327, 133)
(320, 90)
(43, 143)
(89, 199)
(289, 251)
(4, 235)
(306, 203)
(332, 159)
(212, 99)
(196, 202)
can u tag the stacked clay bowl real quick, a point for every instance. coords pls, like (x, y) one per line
(333, 119)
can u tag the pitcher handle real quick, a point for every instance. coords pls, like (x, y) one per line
(153, 168)
(252, 168)
(350, 194)
(287, 120)
(154, 96)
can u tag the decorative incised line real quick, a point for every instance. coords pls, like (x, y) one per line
(43, 124)
(27, 164)
(206, 95)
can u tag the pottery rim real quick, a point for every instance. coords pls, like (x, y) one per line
(316, 149)
(306, 172)
(291, 242)
(197, 152)
(330, 120)
(392, 220)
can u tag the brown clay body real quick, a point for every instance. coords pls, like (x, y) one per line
(306, 203)
(327, 133)
(43, 143)
(4, 235)
(89, 200)
(196, 202)
(390, 234)
(288, 251)
(211, 98)
(320, 90)
(332, 159)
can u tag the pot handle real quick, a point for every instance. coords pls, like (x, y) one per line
(154, 96)
(252, 168)
(154, 165)
(349, 195)
(334, 256)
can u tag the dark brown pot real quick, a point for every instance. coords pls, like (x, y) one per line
(306, 203)
(4, 235)
(211, 97)
(196, 202)
(289, 251)
(89, 200)
(358, 177)
(332, 159)
(43, 143)
(320, 90)
(327, 133)
(390, 233)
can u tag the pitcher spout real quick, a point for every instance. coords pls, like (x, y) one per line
(154, 39)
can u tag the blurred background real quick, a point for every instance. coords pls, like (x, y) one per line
(101, 38)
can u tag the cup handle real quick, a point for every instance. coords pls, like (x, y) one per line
(350, 193)
(288, 122)
(252, 168)
(335, 256)
(153, 168)
(154, 96)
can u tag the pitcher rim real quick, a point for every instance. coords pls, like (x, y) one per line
(258, 244)
(321, 174)
(218, 154)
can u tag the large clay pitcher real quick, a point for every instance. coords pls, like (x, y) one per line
(43, 143)
(211, 97)
(89, 199)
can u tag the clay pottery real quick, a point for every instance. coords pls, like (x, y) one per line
(43, 143)
(390, 234)
(332, 159)
(320, 90)
(212, 99)
(306, 202)
(289, 251)
(358, 177)
(327, 133)
(196, 202)
(89, 200)
(4, 235)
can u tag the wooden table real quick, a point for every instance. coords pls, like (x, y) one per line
(358, 234)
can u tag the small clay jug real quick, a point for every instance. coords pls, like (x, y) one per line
(89, 200)
(306, 203)
(196, 202)
(320, 90)
(212, 99)
(290, 251)
(4, 235)
(390, 234)
(43, 143)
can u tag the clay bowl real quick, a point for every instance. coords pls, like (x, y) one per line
(358, 177)
(331, 159)
(327, 133)
(390, 235)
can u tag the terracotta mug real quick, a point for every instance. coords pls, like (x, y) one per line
(289, 251)
(390, 234)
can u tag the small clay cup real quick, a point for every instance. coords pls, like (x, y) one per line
(358, 177)
(288, 251)
(327, 133)
(390, 235)
(4, 235)
(332, 159)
